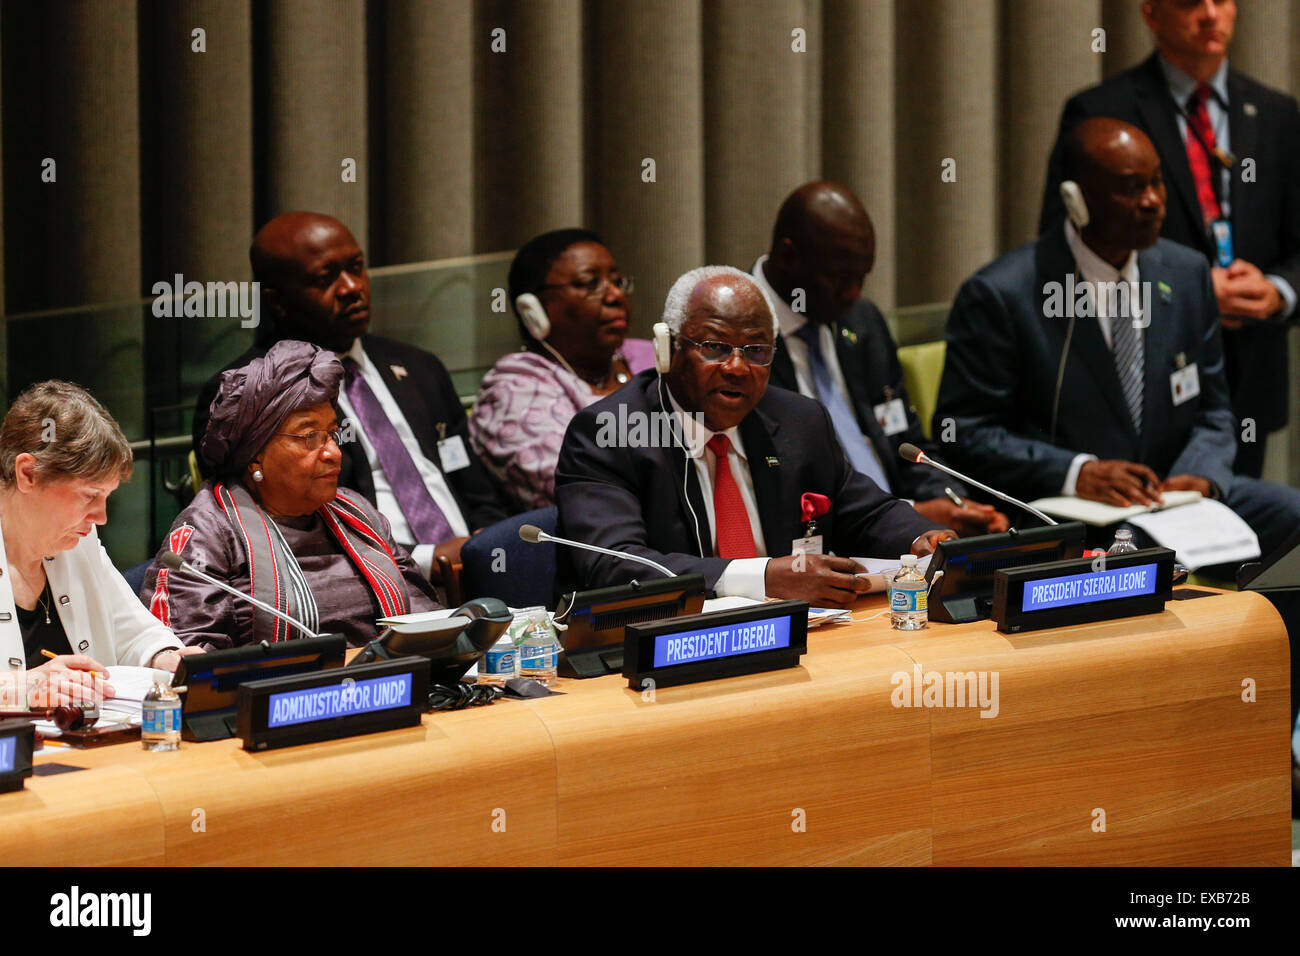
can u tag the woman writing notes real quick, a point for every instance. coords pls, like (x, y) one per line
(61, 456)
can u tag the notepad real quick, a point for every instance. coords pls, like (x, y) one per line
(880, 571)
(1100, 515)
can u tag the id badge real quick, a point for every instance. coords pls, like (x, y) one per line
(892, 416)
(1221, 232)
(1185, 384)
(452, 454)
(809, 545)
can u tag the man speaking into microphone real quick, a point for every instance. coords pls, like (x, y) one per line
(699, 466)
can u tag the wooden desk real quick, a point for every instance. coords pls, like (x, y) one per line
(1141, 719)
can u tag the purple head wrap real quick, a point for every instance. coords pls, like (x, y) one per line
(254, 400)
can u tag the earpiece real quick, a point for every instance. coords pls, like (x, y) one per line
(1075, 207)
(663, 343)
(533, 314)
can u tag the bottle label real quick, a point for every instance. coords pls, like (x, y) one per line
(160, 720)
(499, 661)
(903, 601)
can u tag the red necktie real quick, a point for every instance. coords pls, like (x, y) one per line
(734, 534)
(1197, 156)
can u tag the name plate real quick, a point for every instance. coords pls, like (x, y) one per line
(304, 708)
(17, 740)
(1083, 590)
(702, 647)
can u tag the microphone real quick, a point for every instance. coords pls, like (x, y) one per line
(909, 452)
(535, 535)
(172, 560)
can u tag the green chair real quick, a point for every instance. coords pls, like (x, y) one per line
(922, 370)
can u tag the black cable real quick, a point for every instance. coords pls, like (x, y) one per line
(461, 695)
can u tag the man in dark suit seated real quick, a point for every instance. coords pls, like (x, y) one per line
(405, 444)
(707, 470)
(1230, 150)
(835, 347)
(1128, 325)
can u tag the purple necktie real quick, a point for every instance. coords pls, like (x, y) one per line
(428, 523)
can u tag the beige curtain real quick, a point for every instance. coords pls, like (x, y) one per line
(674, 127)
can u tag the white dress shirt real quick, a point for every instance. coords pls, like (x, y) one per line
(1181, 88)
(433, 478)
(791, 322)
(743, 577)
(1094, 269)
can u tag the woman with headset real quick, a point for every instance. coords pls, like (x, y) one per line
(571, 304)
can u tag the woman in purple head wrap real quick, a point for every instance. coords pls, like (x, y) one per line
(274, 522)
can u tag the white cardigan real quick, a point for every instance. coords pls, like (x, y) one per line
(101, 616)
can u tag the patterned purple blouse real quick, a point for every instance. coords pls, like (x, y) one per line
(523, 407)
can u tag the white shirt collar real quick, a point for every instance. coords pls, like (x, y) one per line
(356, 353)
(1182, 86)
(697, 434)
(787, 319)
(1094, 267)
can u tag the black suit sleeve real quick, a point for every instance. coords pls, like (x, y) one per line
(1288, 265)
(597, 493)
(979, 393)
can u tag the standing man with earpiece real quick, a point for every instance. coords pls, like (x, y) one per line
(699, 466)
(404, 430)
(1230, 149)
(571, 302)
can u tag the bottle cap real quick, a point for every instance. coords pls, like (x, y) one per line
(909, 560)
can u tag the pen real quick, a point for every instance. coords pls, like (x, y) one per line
(954, 498)
(51, 655)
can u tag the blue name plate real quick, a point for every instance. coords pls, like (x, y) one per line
(8, 750)
(339, 700)
(342, 702)
(710, 646)
(17, 740)
(1086, 588)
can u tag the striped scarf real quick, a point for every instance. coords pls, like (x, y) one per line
(275, 577)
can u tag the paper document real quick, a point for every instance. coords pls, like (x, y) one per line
(1208, 532)
(880, 571)
(132, 683)
(1098, 514)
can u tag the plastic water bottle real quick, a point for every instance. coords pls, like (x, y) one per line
(500, 663)
(909, 597)
(1123, 542)
(160, 718)
(539, 650)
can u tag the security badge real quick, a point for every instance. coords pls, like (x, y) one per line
(451, 451)
(1184, 383)
(891, 413)
(810, 543)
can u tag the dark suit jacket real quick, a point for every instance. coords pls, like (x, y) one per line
(869, 360)
(1004, 351)
(426, 397)
(632, 499)
(1263, 125)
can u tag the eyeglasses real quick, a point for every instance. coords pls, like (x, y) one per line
(717, 352)
(314, 441)
(594, 287)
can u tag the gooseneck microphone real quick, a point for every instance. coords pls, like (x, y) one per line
(535, 535)
(909, 452)
(172, 560)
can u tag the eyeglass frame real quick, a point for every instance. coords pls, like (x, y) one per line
(624, 284)
(744, 351)
(336, 435)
